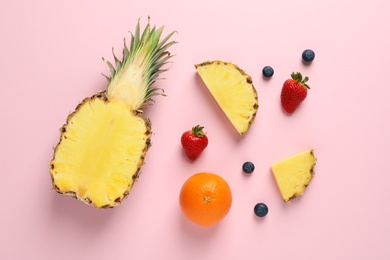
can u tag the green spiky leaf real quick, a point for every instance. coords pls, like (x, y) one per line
(132, 79)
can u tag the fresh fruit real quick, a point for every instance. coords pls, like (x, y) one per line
(233, 90)
(261, 210)
(194, 141)
(205, 198)
(268, 71)
(294, 91)
(248, 167)
(308, 55)
(294, 174)
(104, 141)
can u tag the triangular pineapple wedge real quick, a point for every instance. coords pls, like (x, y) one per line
(233, 90)
(294, 174)
(104, 141)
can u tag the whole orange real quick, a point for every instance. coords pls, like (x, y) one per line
(205, 198)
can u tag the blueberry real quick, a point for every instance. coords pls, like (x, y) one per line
(248, 167)
(261, 210)
(268, 71)
(308, 55)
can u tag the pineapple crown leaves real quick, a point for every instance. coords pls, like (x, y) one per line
(198, 131)
(297, 76)
(147, 52)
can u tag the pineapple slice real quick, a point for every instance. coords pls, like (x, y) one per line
(104, 141)
(233, 90)
(294, 174)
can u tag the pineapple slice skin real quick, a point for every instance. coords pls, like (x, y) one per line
(223, 79)
(64, 159)
(294, 174)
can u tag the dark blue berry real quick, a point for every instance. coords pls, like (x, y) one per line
(268, 71)
(261, 210)
(308, 55)
(248, 167)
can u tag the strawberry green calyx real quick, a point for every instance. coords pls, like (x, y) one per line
(297, 76)
(198, 131)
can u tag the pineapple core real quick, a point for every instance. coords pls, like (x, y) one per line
(294, 174)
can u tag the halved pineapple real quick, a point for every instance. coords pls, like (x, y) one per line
(294, 174)
(104, 141)
(233, 90)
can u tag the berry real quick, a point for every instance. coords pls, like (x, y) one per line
(248, 167)
(294, 91)
(194, 141)
(261, 210)
(308, 55)
(268, 71)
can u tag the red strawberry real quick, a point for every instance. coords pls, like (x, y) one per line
(294, 91)
(194, 141)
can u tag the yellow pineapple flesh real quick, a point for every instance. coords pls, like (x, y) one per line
(233, 90)
(101, 149)
(104, 141)
(294, 174)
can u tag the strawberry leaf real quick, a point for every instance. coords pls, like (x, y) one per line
(297, 76)
(198, 131)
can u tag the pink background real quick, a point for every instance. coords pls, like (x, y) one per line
(51, 59)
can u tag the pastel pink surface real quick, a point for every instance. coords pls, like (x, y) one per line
(51, 59)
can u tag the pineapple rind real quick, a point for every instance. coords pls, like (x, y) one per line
(294, 174)
(133, 77)
(99, 161)
(233, 90)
